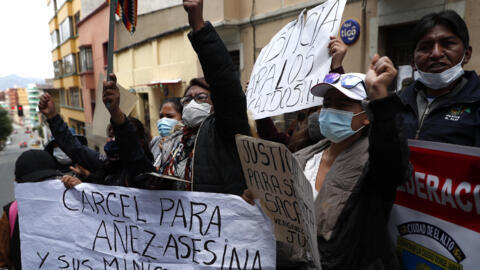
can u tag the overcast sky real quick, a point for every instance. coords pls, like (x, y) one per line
(25, 47)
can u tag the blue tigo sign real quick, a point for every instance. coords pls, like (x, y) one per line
(350, 31)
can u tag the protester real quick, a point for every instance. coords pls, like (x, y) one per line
(443, 105)
(169, 121)
(31, 166)
(355, 171)
(299, 137)
(123, 161)
(214, 110)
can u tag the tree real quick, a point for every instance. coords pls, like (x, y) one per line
(6, 127)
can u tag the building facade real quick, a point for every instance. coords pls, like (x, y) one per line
(92, 44)
(64, 16)
(157, 61)
(11, 98)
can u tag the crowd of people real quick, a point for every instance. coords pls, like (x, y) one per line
(353, 149)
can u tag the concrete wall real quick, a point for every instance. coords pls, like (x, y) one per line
(472, 9)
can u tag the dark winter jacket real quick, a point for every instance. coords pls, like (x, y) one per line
(216, 165)
(354, 204)
(133, 161)
(452, 118)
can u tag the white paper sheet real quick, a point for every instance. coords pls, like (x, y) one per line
(293, 62)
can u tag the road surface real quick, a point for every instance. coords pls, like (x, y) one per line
(8, 156)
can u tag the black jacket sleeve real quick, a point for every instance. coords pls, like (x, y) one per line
(132, 156)
(79, 153)
(388, 165)
(228, 98)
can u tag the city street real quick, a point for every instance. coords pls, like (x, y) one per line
(8, 156)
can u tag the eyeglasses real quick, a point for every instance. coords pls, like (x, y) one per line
(348, 81)
(200, 98)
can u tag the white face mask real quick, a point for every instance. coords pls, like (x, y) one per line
(441, 80)
(194, 113)
(61, 157)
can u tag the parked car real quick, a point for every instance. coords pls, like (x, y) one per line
(9, 141)
(23, 144)
(28, 131)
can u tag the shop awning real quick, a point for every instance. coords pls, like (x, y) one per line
(151, 86)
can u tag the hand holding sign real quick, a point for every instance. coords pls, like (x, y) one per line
(337, 50)
(194, 9)
(111, 99)
(380, 75)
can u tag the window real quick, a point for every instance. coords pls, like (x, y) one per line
(63, 97)
(86, 61)
(69, 65)
(76, 98)
(51, 9)
(105, 54)
(58, 69)
(76, 19)
(60, 3)
(78, 126)
(66, 30)
(54, 38)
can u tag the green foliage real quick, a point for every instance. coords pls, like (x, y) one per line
(6, 127)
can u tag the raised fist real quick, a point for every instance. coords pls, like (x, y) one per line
(380, 75)
(194, 9)
(47, 106)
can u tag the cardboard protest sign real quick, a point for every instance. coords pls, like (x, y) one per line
(274, 177)
(104, 227)
(101, 117)
(435, 222)
(293, 62)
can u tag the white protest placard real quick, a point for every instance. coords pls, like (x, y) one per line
(104, 227)
(101, 116)
(274, 177)
(293, 62)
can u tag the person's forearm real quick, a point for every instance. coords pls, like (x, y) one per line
(226, 91)
(389, 153)
(86, 157)
(118, 117)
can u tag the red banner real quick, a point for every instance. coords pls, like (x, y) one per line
(437, 212)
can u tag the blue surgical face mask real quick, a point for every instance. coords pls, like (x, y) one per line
(336, 125)
(165, 126)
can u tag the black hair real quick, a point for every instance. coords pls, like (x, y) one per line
(142, 135)
(447, 18)
(177, 105)
(197, 82)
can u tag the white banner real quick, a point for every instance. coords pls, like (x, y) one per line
(103, 227)
(293, 62)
